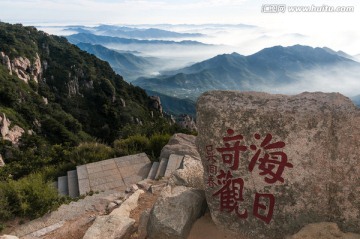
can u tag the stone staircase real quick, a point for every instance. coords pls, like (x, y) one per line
(115, 173)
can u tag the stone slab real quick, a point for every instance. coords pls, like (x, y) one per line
(275, 163)
(82, 172)
(153, 170)
(113, 173)
(174, 163)
(73, 184)
(162, 168)
(63, 185)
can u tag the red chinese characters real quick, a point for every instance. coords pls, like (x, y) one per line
(272, 164)
(230, 154)
(231, 193)
(269, 159)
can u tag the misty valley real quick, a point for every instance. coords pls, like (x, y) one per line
(180, 62)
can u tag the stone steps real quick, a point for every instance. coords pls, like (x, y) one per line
(115, 173)
(105, 175)
(153, 170)
(165, 167)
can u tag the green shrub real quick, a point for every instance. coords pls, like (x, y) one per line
(91, 152)
(132, 145)
(30, 197)
(157, 142)
(138, 143)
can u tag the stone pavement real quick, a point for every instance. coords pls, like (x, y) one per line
(105, 175)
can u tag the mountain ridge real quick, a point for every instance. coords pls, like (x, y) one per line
(98, 39)
(271, 67)
(126, 64)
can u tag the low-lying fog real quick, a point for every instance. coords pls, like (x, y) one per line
(245, 40)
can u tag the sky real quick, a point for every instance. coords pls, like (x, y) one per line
(336, 30)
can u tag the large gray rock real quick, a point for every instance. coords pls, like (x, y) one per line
(180, 144)
(190, 175)
(116, 225)
(174, 212)
(110, 227)
(275, 163)
(323, 230)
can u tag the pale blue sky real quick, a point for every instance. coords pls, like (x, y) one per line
(337, 30)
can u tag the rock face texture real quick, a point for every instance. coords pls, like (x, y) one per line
(275, 163)
(174, 212)
(189, 175)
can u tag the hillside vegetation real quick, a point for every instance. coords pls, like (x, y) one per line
(71, 108)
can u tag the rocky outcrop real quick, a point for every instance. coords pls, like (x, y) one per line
(6, 62)
(2, 163)
(23, 68)
(187, 122)
(12, 134)
(275, 163)
(156, 104)
(174, 212)
(323, 230)
(73, 87)
(180, 144)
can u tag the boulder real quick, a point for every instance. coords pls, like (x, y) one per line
(127, 206)
(174, 212)
(143, 221)
(8, 237)
(117, 224)
(275, 163)
(323, 230)
(110, 227)
(180, 144)
(190, 175)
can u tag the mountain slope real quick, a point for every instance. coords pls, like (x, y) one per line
(71, 81)
(265, 70)
(128, 65)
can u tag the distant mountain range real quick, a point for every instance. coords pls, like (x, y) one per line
(126, 64)
(356, 100)
(104, 40)
(131, 32)
(265, 70)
